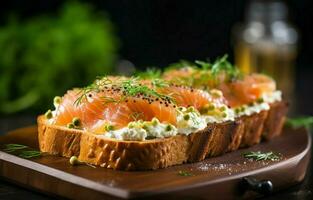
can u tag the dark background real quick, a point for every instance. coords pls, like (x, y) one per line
(161, 32)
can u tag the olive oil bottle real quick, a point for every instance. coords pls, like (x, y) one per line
(267, 43)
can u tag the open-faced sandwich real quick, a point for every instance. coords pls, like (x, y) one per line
(158, 119)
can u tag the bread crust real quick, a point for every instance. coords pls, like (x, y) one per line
(214, 140)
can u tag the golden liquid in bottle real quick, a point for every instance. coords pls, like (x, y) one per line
(268, 58)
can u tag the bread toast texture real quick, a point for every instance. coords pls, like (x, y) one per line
(214, 140)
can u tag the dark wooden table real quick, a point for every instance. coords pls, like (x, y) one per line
(11, 191)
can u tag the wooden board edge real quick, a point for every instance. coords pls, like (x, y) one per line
(119, 193)
(304, 157)
(8, 159)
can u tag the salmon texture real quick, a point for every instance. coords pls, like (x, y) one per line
(112, 105)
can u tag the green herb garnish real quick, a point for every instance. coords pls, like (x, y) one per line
(70, 125)
(94, 87)
(168, 127)
(150, 73)
(57, 100)
(223, 65)
(48, 114)
(109, 127)
(180, 64)
(74, 161)
(76, 121)
(130, 87)
(133, 87)
(184, 173)
(159, 83)
(220, 65)
(260, 100)
(29, 154)
(186, 117)
(204, 65)
(237, 110)
(21, 151)
(206, 74)
(13, 147)
(298, 122)
(258, 155)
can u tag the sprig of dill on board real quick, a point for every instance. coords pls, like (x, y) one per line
(258, 155)
(184, 173)
(29, 154)
(20, 150)
(13, 147)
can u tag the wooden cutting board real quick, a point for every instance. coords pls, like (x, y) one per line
(229, 176)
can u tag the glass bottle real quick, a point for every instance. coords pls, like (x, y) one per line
(267, 43)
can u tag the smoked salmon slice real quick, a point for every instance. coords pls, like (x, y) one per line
(248, 89)
(237, 92)
(113, 104)
(188, 96)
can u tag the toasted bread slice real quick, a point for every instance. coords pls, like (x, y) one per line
(214, 140)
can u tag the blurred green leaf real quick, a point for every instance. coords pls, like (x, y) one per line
(298, 122)
(47, 55)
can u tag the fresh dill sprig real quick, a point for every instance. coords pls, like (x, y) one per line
(150, 73)
(29, 154)
(159, 83)
(108, 100)
(132, 87)
(180, 64)
(220, 65)
(20, 151)
(205, 74)
(223, 65)
(258, 155)
(13, 147)
(204, 65)
(96, 86)
(83, 93)
(298, 122)
(184, 173)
